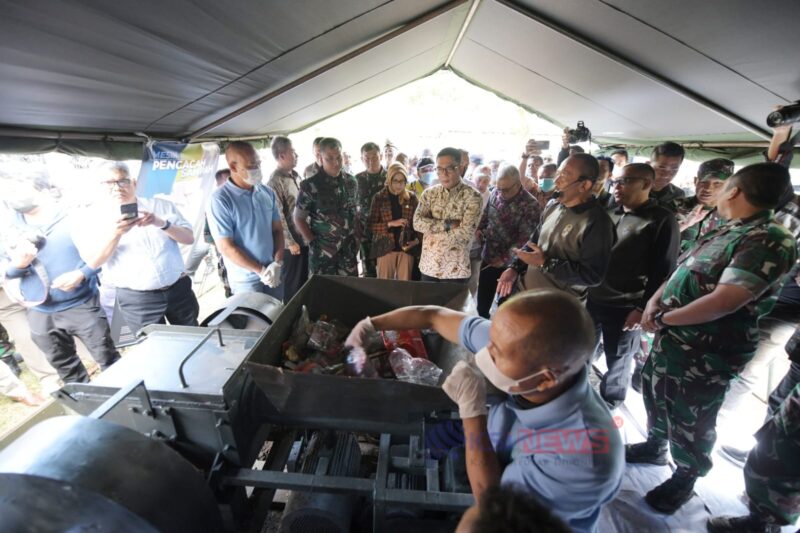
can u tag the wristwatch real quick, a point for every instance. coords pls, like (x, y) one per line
(659, 320)
(166, 226)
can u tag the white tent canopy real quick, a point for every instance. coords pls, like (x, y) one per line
(636, 71)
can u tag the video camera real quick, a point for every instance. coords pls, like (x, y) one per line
(784, 116)
(580, 134)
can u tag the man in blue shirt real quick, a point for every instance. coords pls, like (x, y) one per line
(46, 273)
(551, 433)
(245, 222)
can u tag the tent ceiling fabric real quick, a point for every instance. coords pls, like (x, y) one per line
(172, 68)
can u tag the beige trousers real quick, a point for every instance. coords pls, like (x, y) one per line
(396, 265)
(13, 318)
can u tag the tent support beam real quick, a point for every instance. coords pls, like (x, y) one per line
(325, 68)
(644, 71)
(472, 9)
(69, 135)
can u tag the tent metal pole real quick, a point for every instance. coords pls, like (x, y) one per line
(325, 68)
(644, 71)
(472, 9)
(69, 135)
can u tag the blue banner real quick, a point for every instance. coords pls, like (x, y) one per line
(170, 162)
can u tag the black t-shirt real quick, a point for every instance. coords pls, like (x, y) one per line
(397, 212)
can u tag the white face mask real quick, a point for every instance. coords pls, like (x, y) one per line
(511, 386)
(253, 176)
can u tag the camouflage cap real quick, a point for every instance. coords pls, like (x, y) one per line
(716, 169)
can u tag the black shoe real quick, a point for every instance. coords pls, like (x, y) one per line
(9, 360)
(736, 455)
(673, 493)
(740, 524)
(652, 451)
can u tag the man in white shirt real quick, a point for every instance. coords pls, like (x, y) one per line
(139, 255)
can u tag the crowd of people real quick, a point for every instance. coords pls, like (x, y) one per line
(567, 260)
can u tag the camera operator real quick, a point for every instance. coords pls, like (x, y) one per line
(45, 272)
(567, 149)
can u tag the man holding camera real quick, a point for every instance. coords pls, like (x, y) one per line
(137, 247)
(45, 273)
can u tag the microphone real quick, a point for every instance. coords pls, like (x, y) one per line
(559, 192)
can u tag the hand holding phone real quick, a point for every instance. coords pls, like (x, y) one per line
(129, 210)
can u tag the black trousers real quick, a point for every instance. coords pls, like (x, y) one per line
(619, 347)
(487, 287)
(177, 304)
(294, 273)
(53, 334)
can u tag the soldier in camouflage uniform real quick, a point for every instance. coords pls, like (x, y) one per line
(697, 214)
(370, 182)
(772, 470)
(707, 315)
(325, 215)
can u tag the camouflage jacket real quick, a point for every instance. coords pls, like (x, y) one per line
(752, 253)
(667, 196)
(368, 186)
(683, 207)
(330, 204)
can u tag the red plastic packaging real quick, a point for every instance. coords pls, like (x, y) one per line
(408, 339)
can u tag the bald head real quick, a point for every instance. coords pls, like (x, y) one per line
(555, 330)
(237, 150)
(242, 158)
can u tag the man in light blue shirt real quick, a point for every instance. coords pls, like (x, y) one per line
(551, 433)
(245, 222)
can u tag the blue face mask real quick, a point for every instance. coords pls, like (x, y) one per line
(427, 177)
(547, 184)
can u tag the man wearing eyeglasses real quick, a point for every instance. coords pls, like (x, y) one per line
(571, 247)
(666, 160)
(448, 215)
(140, 255)
(511, 215)
(642, 258)
(370, 182)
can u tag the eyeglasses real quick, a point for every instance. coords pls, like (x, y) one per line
(118, 184)
(508, 190)
(625, 182)
(446, 170)
(403, 182)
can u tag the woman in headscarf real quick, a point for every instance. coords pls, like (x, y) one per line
(391, 219)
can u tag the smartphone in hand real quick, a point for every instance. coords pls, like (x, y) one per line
(129, 211)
